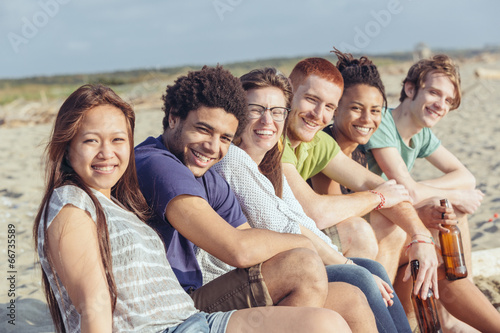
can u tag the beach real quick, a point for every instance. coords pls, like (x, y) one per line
(471, 133)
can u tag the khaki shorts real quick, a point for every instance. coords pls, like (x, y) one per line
(241, 288)
(333, 233)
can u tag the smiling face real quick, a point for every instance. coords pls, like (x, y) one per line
(358, 115)
(100, 151)
(202, 139)
(261, 134)
(313, 104)
(432, 101)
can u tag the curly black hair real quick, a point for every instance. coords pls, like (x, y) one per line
(359, 71)
(213, 87)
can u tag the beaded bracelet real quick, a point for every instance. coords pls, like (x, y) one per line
(382, 199)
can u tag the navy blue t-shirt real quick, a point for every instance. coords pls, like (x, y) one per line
(162, 177)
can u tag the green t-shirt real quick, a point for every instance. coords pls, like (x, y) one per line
(311, 157)
(422, 144)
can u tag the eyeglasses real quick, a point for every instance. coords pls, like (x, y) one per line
(278, 113)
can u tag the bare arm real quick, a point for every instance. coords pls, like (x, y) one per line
(325, 251)
(77, 260)
(331, 209)
(324, 185)
(349, 173)
(243, 247)
(465, 200)
(328, 210)
(456, 175)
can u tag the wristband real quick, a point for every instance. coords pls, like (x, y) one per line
(382, 200)
(416, 241)
(348, 261)
(430, 237)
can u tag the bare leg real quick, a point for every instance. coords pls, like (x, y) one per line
(296, 278)
(350, 302)
(391, 239)
(357, 238)
(463, 305)
(467, 303)
(403, 290)
(450, 324)
(286, 319)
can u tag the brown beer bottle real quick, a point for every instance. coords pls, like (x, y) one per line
(425, 310)
(452, 250)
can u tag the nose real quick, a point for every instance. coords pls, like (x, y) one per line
(266, 117)
(365, 116)
(106, 151)
(213, 144)
(441, 103)
(318, 111)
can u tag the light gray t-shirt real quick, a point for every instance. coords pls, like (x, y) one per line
(149, 299)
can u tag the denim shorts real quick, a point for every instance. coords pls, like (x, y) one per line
(202, 322)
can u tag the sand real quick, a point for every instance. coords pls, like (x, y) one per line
(470, 133)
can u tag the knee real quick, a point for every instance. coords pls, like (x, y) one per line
(394, 239)
(373, 267)
(357, 296)
(399, 237)
(362, 236)
(324, 320)
(307, 266)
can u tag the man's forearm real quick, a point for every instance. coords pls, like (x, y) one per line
(458, 180)
(330, 210)
(405, 216)
(325, 251)
(259, 245)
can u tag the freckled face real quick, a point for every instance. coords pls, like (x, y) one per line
(358, 114)
(100, 151)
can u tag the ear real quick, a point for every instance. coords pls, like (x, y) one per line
(410, 90)
(173, 120)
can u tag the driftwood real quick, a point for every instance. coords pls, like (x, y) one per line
(485, 73)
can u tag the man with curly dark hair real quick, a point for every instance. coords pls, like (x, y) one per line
(198, 215)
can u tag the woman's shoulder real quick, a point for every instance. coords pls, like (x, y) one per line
(70, 195)
(235, 156)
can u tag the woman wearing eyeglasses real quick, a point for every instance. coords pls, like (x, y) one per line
(253, 170)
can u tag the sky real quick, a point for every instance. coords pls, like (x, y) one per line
(50, 37)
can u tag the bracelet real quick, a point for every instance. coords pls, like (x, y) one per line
(416, 241)
(430, 237)
(348, 261)
(382, 199)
